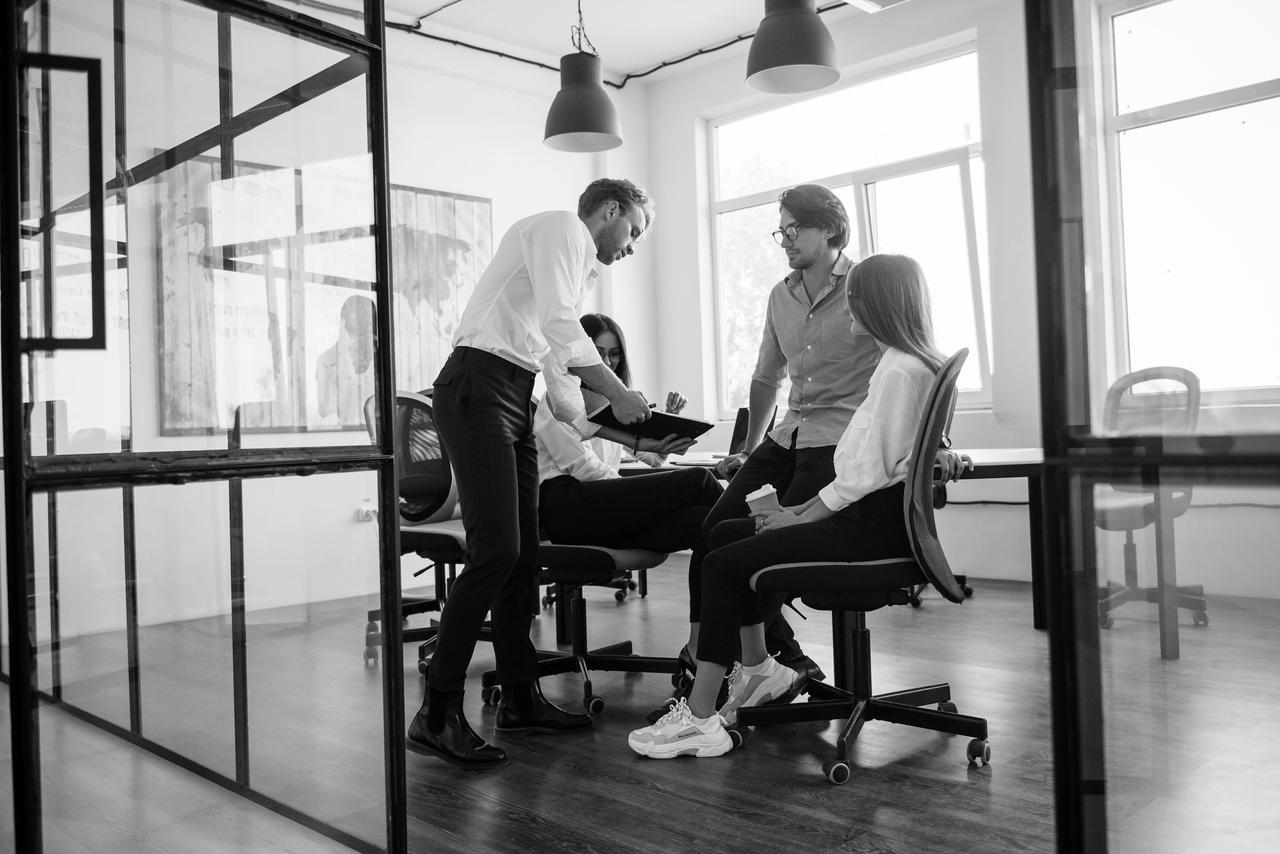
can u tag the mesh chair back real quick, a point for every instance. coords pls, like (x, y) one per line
(918, 498)
(427, 492)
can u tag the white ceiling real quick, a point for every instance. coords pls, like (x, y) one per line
(630, 35)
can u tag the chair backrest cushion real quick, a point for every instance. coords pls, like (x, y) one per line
(427, 490)
(918, 496)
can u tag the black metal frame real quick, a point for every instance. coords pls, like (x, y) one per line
(26, 476)
(1075, 460)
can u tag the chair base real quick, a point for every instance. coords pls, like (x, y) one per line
(851, 700)
(1189, 597)
(618, 657)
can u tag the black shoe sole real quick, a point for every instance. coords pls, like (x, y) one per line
(428, 750)
(540, 730)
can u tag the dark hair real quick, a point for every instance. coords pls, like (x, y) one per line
(620, 190)
(815, 205)
(596, 325)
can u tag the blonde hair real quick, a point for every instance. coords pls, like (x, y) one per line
(889, 298)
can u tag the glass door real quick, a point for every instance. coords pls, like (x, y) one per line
(1156, 180)
(196, 354)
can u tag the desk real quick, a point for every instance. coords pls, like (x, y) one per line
(993, 463)
(988, 464)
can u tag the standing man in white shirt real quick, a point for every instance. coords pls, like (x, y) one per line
(523, 312)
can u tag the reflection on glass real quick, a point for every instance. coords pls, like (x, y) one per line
(1188, 768)
(922, 215)
(926, 109)
(1229, 43)
(315, 706)
(81, 600)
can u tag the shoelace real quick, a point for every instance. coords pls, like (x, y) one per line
(735, 679)
(679, 714)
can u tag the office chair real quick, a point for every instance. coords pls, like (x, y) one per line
(1174, 408)
(738, 440)
(850, 589)
(428, 527)
(568, 569)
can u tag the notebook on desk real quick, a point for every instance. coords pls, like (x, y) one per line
(659, 426)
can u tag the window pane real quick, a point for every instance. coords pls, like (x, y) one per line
(912, 113)
(1232, 42)
(1199, 267)
(750, 264)
(922, 215)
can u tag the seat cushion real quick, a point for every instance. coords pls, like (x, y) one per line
(853, 586)
(1129, 510)
(562, 564)
(445, 540)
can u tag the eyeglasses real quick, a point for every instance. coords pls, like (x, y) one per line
(791, 232)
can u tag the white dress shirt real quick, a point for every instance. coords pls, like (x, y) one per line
(875, 450)
(526, 305)
(562, 450)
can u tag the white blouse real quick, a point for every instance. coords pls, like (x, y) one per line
(562, 450)
(875, 450)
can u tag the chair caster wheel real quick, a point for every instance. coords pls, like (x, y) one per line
(370, 656)
(979, 752)
(593, 704)
(947, 706)
(1200, 618)
(1105, 621)
(737, 735)
(836, 770)
(967, 591)
(491, 695)
(423, 666)
(619, 595)
(682, 682)
(915, 601)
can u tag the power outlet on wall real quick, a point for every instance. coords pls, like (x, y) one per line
(366, 512)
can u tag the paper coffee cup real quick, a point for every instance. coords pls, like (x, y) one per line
(764, 498)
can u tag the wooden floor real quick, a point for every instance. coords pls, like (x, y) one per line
(1192, 764)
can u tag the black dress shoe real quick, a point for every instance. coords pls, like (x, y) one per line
(457, 743)
(805, 666)
(524, 709)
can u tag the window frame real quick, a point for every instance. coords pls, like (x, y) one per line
(1112, 125)
(861, 182)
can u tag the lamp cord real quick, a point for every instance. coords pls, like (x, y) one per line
(578, 34)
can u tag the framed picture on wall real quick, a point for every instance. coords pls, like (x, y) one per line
(266, 292)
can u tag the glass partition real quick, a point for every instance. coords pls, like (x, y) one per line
(1160, 416)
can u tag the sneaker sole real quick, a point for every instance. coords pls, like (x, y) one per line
(798, 687)
(672, 751)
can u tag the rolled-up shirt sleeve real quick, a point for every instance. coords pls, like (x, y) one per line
(564, 399)
(875, 448)
(556, 251)
(771, 363)
(567, 450)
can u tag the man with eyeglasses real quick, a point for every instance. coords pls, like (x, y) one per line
(807, 337)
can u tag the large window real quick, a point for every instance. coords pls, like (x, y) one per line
(902, 151)
(1191, 108)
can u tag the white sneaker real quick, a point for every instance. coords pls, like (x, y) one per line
(765, 683)
(679, 733)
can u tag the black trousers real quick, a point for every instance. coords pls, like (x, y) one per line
(485, 418)
(797, 474)
(660, 510)
(871, 529)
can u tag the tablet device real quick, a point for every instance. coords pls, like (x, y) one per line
(659, 426)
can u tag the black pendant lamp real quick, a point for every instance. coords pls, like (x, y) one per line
(582, 117)
(792, 50)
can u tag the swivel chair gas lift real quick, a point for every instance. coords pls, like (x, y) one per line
(1153, 401)
(428, 527)
(850, 590)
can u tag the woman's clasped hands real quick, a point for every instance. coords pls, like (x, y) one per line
(773, 520)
